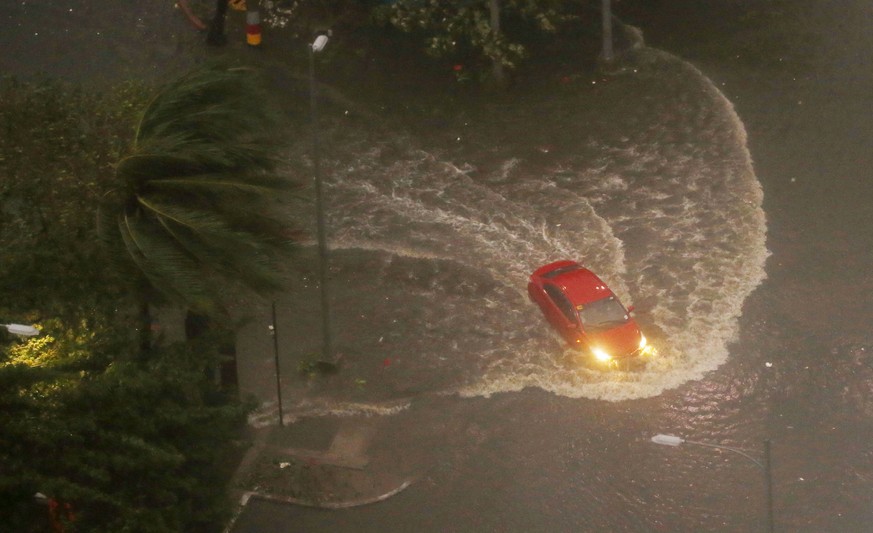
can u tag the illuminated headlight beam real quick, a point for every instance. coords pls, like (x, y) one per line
(601, 355)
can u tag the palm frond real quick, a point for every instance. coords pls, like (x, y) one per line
(168, 269)
(212, 96)
(195, 220)
(217, 184)
(251, 268)
(200, 189)
(220, 246)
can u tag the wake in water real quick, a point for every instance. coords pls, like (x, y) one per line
(659, 198)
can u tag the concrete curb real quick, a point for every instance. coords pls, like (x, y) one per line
(248, 495)
(346, 452)
(327, 505)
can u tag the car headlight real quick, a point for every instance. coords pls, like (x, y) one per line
(601, 355)
(643, 341)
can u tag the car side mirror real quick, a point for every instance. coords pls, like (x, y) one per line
(630, 309)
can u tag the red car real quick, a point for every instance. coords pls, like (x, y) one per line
(585, 312)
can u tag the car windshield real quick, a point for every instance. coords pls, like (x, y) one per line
(602, 314)
(562, 270)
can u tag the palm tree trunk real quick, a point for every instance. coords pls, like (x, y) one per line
(224, 374)
(145, 323)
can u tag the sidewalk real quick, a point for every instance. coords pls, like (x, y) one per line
(321, 462)
(327, 463)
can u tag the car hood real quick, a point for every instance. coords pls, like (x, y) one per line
(619, 341)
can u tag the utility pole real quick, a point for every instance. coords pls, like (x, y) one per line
(496, 65)
(607, 32)
(216, 36)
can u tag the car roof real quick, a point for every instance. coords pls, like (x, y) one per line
(581, 286)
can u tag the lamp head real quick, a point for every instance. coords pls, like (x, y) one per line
(21, 329)
(320, 42)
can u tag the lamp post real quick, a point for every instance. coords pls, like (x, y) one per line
(21, 329)
(672, 440)
(317, 46)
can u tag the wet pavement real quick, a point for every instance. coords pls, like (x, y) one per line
(97, 42)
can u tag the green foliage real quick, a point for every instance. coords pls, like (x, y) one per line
(89, 344)
(453, 28)
(57, 146)
(132, 448)
(198, 208)
(133, 445)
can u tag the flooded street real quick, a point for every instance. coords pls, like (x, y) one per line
(531, 443)
(721, 186)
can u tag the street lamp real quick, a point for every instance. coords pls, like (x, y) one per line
(317, 46)
(672, 440)
(21, 329)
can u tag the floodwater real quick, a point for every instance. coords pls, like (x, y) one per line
(730, 209)
(724, 195)
(662, 202)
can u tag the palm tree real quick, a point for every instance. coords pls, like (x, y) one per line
(197, 215)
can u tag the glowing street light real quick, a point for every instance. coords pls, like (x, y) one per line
(21, 329)
(672, 440)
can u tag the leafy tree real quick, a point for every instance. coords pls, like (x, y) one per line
(130, 448)
(453, 28)
(215, 36)
(132, 445)
(57, 149)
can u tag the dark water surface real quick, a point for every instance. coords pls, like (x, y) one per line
(802, 85)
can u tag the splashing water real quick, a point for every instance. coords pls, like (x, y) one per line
(665, 207)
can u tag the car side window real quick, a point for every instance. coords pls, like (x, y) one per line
(561, 302)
